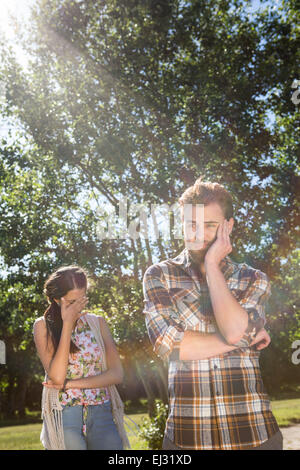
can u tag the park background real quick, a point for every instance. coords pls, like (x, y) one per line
(102, 100)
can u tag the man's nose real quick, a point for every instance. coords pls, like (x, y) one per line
(199, 235)
(197, 238)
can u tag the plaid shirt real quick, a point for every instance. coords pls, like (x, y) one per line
(220, 402)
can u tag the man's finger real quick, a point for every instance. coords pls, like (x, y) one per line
(224, 230)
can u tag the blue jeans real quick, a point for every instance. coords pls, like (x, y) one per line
(101, 431)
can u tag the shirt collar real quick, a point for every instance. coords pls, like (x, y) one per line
(184, 260)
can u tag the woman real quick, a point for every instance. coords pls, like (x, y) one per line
(82, 366)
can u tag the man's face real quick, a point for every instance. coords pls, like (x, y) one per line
(200, 225)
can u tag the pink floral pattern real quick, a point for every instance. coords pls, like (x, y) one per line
(84, 363)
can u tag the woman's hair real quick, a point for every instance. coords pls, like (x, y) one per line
(56, 286)
(206, 192)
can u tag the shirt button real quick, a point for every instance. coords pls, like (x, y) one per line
(216, 366)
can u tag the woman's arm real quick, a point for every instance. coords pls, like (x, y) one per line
(114, 373)
(56, 366)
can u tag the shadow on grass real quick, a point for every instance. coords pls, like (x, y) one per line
(20, 421)
(292, 422)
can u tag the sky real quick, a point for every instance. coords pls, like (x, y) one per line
(21, 10)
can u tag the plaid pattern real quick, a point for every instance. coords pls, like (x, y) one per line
(220, 402)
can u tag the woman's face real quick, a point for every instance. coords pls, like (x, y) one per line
(73, 295)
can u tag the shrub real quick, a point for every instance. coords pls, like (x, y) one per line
(152, 429)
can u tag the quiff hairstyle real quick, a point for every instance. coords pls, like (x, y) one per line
(206, 192)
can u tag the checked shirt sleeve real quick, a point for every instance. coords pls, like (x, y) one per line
(165, 329)
(254, 301)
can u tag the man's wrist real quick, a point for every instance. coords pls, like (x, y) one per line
(210, 264)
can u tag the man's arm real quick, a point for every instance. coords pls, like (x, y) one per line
(167, 331)
(195, 346)
(238, 322)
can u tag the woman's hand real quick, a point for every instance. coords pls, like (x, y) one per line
(51, 384)
(71, 313)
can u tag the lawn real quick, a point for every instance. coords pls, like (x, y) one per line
(27, 437)
(286, 412)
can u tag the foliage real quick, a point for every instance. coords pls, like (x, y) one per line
(136, 99)
(152, 430)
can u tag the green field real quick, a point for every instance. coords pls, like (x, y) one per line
(287, 412)
(27, 437)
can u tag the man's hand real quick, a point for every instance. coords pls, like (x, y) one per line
(262, 340)
(221, 246)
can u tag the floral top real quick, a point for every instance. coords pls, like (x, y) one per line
(84, 363)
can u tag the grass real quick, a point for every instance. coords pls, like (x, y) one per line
(22, 437)
(286, 412)
(27, 436)
(136, 442)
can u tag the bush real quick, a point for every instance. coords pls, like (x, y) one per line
(152, 429)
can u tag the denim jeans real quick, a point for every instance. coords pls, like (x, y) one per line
(101, 431)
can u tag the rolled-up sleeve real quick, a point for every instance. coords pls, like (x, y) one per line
(164, 326)
(254, 302)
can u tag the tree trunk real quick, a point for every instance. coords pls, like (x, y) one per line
(157, 234)
(135, 260)
(149, 391)
(11, 395)
(149, 252)
(163, 382)
(21, 396)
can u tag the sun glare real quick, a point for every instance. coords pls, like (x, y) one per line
(12, 13)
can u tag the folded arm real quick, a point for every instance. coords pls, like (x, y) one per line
(114, 373)
(167, 331)
(196, 345)
(239, 321)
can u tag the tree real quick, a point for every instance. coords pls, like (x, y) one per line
(138, 98)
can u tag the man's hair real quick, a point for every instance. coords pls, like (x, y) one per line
(206, 192)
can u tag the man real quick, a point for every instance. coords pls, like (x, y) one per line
(205, 314)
